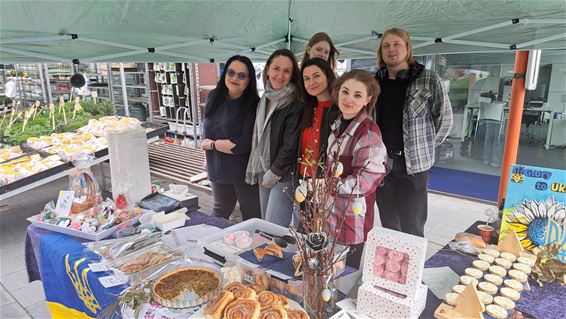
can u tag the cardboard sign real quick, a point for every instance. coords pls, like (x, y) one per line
(64, 203)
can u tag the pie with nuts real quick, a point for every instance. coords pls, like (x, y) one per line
(171, 286)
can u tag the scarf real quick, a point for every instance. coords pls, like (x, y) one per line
(260, 161)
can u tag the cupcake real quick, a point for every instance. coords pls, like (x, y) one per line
(491, 252)
(517, 275)
(497, 270)
(522, 267)
(480, 264)
(505, 263)
(513, 284)
(496, 311)
(486, 257)
(508, 256)
(510, 293)
(476, 273)
(494, 279)
(488, 287)
(504, 302)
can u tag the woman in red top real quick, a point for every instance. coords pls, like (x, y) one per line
(318, 113)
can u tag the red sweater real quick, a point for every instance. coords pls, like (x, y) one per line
(310, 140)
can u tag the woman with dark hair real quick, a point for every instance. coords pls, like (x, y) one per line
(321, 46)
(355, 142)
(228, 126)
(275, 136)
(319, 113)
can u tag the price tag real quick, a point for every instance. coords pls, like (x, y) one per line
(115, 280)
(98, 267)
(64, 203)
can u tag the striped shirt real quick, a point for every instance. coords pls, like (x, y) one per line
(362, 153)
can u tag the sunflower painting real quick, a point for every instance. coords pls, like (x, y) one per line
(529, 219)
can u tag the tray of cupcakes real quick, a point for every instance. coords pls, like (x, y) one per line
(493, 283)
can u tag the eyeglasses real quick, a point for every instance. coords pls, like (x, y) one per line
(241, 75)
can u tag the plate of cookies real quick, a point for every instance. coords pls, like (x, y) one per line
(241, 301)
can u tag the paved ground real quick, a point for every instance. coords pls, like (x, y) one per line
(20, 299)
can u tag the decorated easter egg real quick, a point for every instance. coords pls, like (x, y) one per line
(300, 193)
(326, 294)
(339, 169)
(357, 207)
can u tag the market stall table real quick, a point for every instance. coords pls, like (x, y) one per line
(540, 302)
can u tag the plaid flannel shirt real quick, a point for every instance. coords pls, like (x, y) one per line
(427, 118)
(361, 142)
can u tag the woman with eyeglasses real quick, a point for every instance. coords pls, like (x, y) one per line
(275, 137)
(229, 119)
(321, 46)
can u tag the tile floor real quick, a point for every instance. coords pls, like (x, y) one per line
(20, 299)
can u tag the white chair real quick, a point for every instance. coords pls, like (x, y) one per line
(490, 112)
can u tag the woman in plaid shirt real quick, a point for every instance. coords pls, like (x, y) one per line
(356, 142)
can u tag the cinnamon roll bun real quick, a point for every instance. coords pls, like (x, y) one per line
(242, 309)
(216, 305)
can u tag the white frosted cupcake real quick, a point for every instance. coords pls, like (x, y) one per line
(466, 280)
(491, 252)
(458, 289)
(505, 263)
(513, 284)
(494, 279)
(518, 275)
(496, 311)
(451, 298)
(522, 267)
(508, 256)
(504, 302)
(498, 270)
(476, 273)
(480, 264)
(488, 287)
(486, 257)
(510, 293)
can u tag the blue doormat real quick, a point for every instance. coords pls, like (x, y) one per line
(473, 185)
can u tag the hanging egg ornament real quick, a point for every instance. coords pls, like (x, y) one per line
(357, 207)
(312, 263)
(339, 169)
(326, 294)
(300, 193)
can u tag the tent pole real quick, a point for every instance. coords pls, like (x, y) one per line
(46, 69)
(35, 55)
(538, 41)
(481, 44)
(42, 80)
(37, 39)
(289, 24)
(124, 90)
(192, 83)
(113, 56)
(514, 124)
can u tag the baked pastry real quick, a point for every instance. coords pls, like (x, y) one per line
(476, 273)
(522, 267)
(488, 287)
(486, 257)
(508, 256)
(480, 264)
(245, 293)
(475, 240)
(510, 293)
(274, 250)
(258, 288)
(215, 307)
(259, 253)
(242, 309)
(485, 298)
(505, 263)
(235, 286)
(276, 312)
(494, 279)
(491, 252)
(466, 280)
(517, 275)
(284, 302)
(172, 285)
(498, 270)
(298, 264)
(450, 298)
(527, 261)
(496, 311)
(504, 302)
(513, 284)
(458, 289)
(268, 299)
(297, 314)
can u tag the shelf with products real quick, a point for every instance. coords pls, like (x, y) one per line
(167, 82)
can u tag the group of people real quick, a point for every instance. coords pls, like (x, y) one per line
(383, 128)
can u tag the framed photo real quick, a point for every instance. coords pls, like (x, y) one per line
(394, 260)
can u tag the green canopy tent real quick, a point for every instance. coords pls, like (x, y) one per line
(200, 31)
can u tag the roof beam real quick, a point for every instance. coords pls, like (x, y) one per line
(183, 56)
(479, 30)
(36, 39)
(182, 45)
(539, 41)
(477, 43)
(109, 43)
(109, 57)
(36, 55)
(543, 21)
